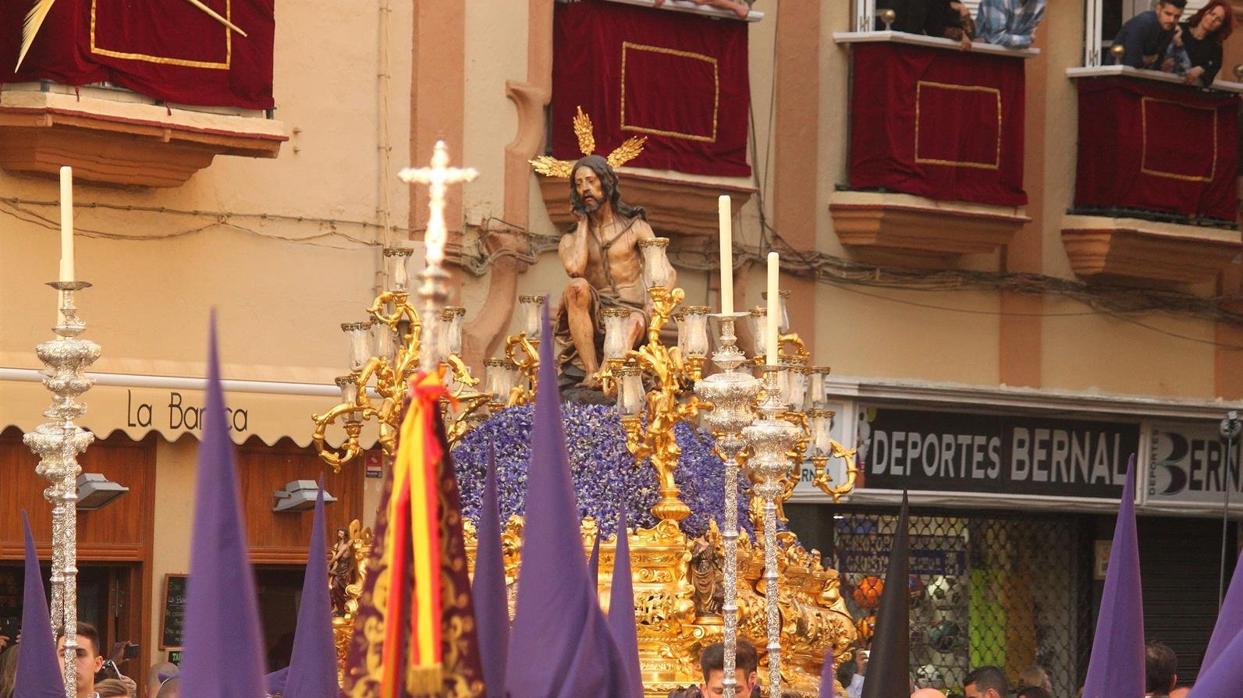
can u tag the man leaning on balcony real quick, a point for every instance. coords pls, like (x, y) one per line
(1009, 23)
(1146, 36)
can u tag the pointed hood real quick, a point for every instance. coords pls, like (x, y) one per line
(826, 675)
(593, 563)
(1229, 619)
(889, 669)
(1225, 676)
(1116, 669)
(560, 644)
(223, 643)
(38, 667)
(488, 589)
(621, 608)
(313, 664)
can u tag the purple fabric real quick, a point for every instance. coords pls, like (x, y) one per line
(275, 682)
(1225, 678)
(488, 588)
(826, 675)
(313, 664)
(621, 608)
(223, 645)
(593, 562)
(38, 668)
(1229, 619)
(1116, 669)
(561, 645)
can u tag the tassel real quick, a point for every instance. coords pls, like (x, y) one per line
(425, 680)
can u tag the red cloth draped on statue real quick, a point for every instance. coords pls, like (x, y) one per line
(171, 51)
(1150, 146)
(939, 123)
(679, 79)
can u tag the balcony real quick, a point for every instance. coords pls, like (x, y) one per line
(1156, 188)
(694, 146)
(936, 134)
(114, 136)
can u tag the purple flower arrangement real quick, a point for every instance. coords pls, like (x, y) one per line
(604, 473)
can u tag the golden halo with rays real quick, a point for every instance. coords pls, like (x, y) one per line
(552, 167)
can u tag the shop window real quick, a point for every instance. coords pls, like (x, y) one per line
(985, 589)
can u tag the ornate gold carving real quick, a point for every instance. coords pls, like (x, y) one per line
(671, 576)
(584, 131)
(347, 568)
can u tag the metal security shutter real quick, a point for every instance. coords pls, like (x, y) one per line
(1179, 565)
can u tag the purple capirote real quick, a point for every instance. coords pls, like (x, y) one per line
(1116, 669)
(222, 640)
(313, 664)
(560, 645)
(38, 666)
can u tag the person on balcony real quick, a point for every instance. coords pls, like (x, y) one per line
(948, 19)
(1196, 48)
(740, 8)
(1009, 23)
(1146, 36)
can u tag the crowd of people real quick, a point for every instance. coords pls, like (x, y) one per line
(1151, 40)
(98, 677)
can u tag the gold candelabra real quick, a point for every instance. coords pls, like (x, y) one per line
(650, 417)
(522, 356)
(396, 341)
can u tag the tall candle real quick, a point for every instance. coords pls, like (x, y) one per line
(774, 308)
(66, 224)
(727, 255)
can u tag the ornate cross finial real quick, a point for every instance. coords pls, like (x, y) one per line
(438, 177)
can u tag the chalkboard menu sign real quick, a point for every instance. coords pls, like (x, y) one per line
(174, 613)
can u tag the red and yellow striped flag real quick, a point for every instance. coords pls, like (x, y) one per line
(414, 634)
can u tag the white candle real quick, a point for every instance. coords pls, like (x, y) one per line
(774, 308)
(66, 224)
(727, 255)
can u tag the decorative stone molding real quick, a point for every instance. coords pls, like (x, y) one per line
(482, 337)
(678, 205)
(113, 136)
(915, 231)
(1154, 253)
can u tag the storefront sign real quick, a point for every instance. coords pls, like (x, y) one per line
(1187, 465)
(963, 452)
(179, 413)
(174, 411)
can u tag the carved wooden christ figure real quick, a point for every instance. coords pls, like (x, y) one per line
(601, 255)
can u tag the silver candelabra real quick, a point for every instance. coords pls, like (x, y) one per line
(770, 437)
(732, 394)
(58, 442)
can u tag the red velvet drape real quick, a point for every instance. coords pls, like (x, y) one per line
(1155, 147)
(677, 78)
(169, 51)
(939, 123)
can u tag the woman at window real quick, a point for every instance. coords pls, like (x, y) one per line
(1196, 48)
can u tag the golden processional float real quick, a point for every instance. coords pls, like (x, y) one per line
(690, 590)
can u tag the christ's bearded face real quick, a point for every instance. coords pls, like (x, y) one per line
(590, 189)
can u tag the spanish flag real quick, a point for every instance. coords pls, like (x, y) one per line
(414, 632)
